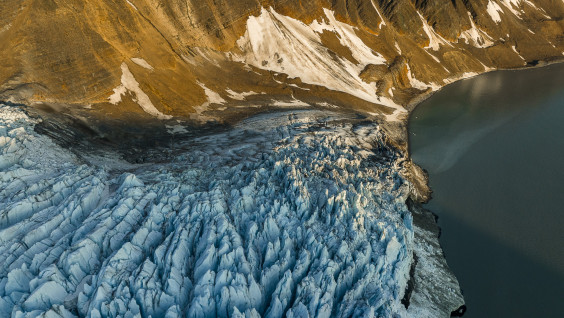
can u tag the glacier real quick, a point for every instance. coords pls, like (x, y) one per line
(288, 214)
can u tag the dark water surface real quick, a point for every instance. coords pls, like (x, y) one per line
(494, 149)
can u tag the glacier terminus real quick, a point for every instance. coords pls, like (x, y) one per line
(287, 214)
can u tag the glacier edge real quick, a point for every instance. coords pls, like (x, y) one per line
(297, 214)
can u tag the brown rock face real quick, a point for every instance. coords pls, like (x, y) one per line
(216, 60)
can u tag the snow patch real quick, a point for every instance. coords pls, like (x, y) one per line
(141, 62)
(132, 5)
(475, 36)
(517, 52)
(293, 103)
(414, 82)
(436, 60)
(325, 104)
(398, 49)
(464, 75)
(382, 21)
(513, 6)
(397, 115)
(213, 98)
(435, 40)
(128, 83)
(239, 96)
(115, 98)
(541, 10)
(5, 28)
(348, 38)
(494, 10)
(285, 45)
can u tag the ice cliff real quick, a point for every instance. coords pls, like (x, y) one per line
(291, 214)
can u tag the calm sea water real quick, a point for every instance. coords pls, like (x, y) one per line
(494, 149)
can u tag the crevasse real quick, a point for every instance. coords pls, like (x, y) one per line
(290, 215)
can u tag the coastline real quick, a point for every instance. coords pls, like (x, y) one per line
(416, 101)
(424, 193)
(420, 178)
(426, 175)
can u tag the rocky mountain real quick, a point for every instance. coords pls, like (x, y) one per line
(223, 60)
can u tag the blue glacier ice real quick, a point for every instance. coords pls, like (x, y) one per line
(297, 214)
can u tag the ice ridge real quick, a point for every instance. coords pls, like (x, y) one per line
(283, 216)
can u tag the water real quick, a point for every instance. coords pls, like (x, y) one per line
(260, 217)
(494, 149)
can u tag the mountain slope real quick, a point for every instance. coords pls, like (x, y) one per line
(220, 60)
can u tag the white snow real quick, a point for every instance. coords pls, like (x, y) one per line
(296, 86)
(464, 75)
(292, 103)
(285, 45)
(213, 98)
(486, 68)
(115, 98)
(348, 38)
(382, 21)
(475, 36)
(5, 28)
(397, 115)
(436, 59)
(513, 6)
(517, 52)
(493, 10)
(541, 10)
(239, 96)
(435, 40)
(398, 49)
(132, 5)
(141, 62)
(300, 212)
(414, 82)
(325, 104)
(128, 83)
